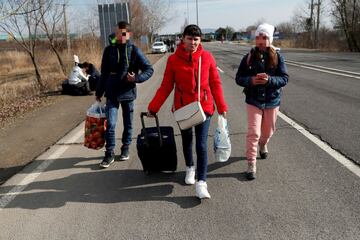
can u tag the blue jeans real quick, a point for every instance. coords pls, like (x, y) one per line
(201, 135)
(111, 117)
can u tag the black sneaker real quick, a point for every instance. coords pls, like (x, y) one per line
(108, 159)
(250, 176)
(263, 150)
(124, 153)
(263, 155)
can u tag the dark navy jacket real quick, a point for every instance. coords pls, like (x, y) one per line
(262, 96)
(117, 61)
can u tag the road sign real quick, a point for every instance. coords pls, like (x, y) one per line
(109, 16)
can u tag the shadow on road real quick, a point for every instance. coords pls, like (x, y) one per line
(217, 165)
(108, 186)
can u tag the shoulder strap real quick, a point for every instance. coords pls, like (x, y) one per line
(132, 56)
(114, 51)
(199, 77)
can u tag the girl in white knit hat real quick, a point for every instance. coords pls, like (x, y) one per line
(262, 73)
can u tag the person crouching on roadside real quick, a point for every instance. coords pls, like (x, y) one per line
(78, 79)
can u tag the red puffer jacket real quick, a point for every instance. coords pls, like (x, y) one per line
(181, 72)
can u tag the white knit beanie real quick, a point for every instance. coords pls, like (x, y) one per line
(267, 30)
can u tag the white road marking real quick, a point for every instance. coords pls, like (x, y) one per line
(333, 153)
(322, 67)
(325, 71)
(220, 70)
(6, 198)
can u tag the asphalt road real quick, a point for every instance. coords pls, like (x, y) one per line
(301, 191)
(326, 103)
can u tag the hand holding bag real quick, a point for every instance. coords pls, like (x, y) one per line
(192, 114)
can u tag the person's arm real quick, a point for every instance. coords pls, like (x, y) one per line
(216, 87)
(242, 76)
(144, 65)
(81, 75)
(281, 78)
(167, 85)
(100, 88)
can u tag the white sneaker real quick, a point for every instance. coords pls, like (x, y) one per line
(201, 190)
(190, 175)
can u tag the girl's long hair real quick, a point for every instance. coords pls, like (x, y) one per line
(273, 58)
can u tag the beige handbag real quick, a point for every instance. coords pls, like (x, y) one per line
(192, 114)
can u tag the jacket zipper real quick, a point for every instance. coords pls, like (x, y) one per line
(205, 93)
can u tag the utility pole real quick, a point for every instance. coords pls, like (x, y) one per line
(197, 13)
(187, 4)
(311, 22)
(317, 23)
(67, 36)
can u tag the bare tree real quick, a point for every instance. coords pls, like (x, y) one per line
(51, 19)
(347, 18)
(157, 15)
(138, 19)
(308, 18)
(288, 29)
(5, 12)
(23, 28)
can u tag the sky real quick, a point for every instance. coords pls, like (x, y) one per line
(212, 14)
(237, 14)
(234, 13)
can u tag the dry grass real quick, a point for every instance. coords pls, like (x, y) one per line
(14, 63)
(286, 43)
(22, 95)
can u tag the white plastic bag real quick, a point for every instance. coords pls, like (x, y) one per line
(97, 110)
(222, 144)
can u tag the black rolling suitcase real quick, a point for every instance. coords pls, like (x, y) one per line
(156, 147)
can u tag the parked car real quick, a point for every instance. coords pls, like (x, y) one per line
(159, 47)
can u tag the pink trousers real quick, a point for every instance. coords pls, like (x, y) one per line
(261, 126)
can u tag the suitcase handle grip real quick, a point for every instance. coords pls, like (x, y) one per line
(144, 114)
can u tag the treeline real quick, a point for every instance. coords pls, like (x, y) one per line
(33, 24)
(307, 28)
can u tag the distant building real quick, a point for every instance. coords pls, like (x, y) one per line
(241, 36)
(208, 34)
(4, 37)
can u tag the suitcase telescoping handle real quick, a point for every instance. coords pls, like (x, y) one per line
(144, 114)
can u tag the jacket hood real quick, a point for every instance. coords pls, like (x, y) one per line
(182, 53)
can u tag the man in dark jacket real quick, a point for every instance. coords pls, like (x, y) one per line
(123, 66)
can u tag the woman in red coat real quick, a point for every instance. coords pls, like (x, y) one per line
(181, 73)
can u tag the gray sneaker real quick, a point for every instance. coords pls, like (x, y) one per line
(251, 172)
(107, 160)
(124, 153)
